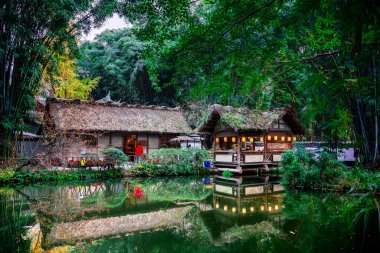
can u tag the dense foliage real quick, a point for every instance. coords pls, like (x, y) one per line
(173, 162)
(322, 171)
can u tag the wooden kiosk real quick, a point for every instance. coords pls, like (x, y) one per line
(244, 139)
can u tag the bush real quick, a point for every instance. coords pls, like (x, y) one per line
(7, 175)
(115, 156)
(173, 162)
(324, 172)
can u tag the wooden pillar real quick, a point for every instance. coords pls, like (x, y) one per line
(238, 150)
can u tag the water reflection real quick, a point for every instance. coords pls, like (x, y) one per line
(238, 214)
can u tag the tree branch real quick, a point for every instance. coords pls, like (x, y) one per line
(247, 17)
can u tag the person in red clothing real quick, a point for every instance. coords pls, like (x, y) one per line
(139, 152)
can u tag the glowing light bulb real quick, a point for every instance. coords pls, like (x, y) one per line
(276, 207)
(282, 138)
(216, 205)
(234, 209)
(269, 137)
(275, 138)
(289, 139)
(262, 208)
(252, 209)
(225, 208)
(244, 210)
(261, 139)
(243, 139)
(233, 139)
(225, 139)
(269, 208)
(294, 138)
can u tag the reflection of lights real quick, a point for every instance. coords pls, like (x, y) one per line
(216, 205)
(225, 208)
(244, 210)
(234, 209)
(275, 138)
(252, 209)
(262, 208)
(283, 138)
(270, 209)
(276, 207)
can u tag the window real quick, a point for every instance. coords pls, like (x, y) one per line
(90, 140)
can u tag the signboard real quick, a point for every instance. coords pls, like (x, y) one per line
(223, 189)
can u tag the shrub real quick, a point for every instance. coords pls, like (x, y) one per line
(115, 156)
(7, 175)
(324, 172)
(173, 162)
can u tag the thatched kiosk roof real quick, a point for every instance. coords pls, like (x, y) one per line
(243, 119)
(86, 116)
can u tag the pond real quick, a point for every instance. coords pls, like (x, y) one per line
(239, 214)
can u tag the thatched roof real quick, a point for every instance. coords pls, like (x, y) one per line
(80, 115)
(243, 119)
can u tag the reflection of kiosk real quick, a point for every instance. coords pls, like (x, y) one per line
(248, 195)
(247, 139)
(243, 201)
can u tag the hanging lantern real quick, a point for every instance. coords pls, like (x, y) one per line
(234, 209)
(269, 137)
(243, 139)
(251, 139)
(233, 139)
(261, 139)
(294, 138)
(276, 207)
(252, 209)
(225, 208)
(289, 139)
(216, 205)
(225, 139)
(269, 208)
(217, 140)
(282, 138)
(244, 210)
(262, 208)
(275, 138)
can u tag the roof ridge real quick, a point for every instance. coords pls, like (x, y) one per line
(114, 104)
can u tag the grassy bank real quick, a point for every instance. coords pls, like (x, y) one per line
(11, 176)
(302, 169)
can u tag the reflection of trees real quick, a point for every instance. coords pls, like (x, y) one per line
(176, 189)
(352, 224)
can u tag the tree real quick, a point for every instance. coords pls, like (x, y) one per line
(32, 34)
(319, 56)
(67, 85)
(117, 56)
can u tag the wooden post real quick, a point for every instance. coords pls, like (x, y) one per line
(238, 150)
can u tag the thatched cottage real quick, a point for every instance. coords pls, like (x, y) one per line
(245, 139)
(84, 128)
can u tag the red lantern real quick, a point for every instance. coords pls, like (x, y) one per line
(138, 192)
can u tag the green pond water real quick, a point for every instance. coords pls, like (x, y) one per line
(240, 214)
